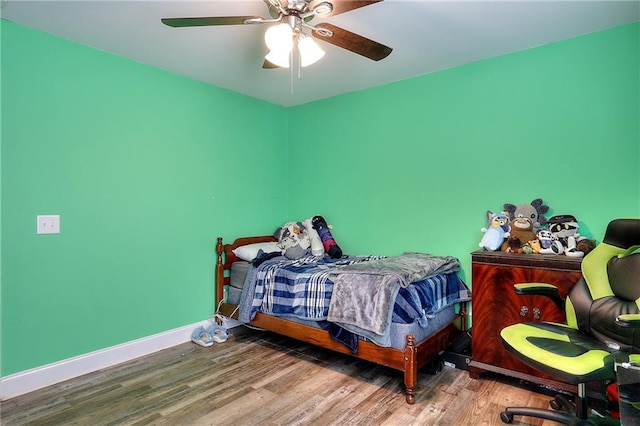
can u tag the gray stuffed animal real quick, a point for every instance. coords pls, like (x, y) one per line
(293, 240)
(533, 213)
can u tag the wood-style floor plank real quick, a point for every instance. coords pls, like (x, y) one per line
(262, 378)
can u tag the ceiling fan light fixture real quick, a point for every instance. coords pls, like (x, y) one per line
(278, 58)
(310, 52)
(279, 38)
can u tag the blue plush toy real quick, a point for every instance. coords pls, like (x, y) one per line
(498, 230)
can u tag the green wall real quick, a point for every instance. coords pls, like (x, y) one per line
(146, 169)
(138, 162)
(414, 165)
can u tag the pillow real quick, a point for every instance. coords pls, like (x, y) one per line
(250, 251)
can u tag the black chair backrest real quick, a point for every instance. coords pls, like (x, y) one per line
(610, 287)
(624, 276)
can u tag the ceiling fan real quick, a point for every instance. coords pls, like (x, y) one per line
(292, 17)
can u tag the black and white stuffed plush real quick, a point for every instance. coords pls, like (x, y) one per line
(330, 246)
(293, 240)
(564, 229)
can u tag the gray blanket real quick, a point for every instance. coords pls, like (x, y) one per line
(364, 293)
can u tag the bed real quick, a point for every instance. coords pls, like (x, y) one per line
(406, 346)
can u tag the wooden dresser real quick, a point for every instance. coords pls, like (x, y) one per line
(496, 305)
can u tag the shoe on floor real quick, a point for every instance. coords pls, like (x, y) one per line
(217, 333)
(201, 337)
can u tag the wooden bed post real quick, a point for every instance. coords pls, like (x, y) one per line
(410, 370)
(219, 274)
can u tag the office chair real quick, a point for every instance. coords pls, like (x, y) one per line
(628, 391)
(603, 325)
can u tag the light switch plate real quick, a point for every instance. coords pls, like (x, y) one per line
(48, 224)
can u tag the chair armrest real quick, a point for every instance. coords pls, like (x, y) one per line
(540, 289)
(628, 320)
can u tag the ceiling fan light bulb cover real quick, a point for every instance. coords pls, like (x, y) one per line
(278, 58)
(279, 38)
(310, 52)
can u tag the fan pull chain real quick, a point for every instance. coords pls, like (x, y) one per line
(299, 67)
(291, 70)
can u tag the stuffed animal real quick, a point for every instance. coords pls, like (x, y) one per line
(293, 240)
(330, 246)
(534, 245)
(534, 212)
(564, 229)
(585, 245)
(497, 231)
(526, 248)
(547, 246)
(317, 248)
(521, 233)
(513, 245)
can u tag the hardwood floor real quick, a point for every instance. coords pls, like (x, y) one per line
(262, 378)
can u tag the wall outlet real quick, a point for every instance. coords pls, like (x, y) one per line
(48, 224)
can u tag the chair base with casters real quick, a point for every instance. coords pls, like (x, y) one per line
(629, 390)
(603, 317)
(563, 412)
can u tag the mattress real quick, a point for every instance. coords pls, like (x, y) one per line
(398, 330)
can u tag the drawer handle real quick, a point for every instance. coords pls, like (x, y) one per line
(523, 311)
(536, 313)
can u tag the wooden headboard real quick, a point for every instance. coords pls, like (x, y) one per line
(226, 257)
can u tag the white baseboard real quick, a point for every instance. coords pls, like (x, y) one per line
(40, 377)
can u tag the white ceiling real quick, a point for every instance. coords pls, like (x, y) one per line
(425, 35)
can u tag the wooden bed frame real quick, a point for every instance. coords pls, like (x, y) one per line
(413, 357)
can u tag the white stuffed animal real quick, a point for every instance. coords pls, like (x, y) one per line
(317, 248)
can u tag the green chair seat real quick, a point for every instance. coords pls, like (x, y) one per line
(560, 351)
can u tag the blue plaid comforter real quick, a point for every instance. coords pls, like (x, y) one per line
(302, 289)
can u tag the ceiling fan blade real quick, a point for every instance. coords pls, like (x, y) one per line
(207, 21)
(342, 6)
(269, 65)
(275, 7)
(353, 42)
